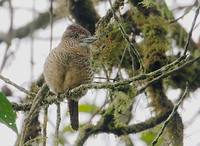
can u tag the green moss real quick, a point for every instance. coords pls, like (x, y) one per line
(123, 106)
(155, 26)
(119, 112)
(122, 112)
(148, 3)
(112, 44)
(109, 48)
(155, 42)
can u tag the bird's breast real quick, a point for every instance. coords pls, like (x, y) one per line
(77, 75)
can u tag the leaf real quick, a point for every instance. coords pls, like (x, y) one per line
(7, 115)
(150, 135)
(68, 128)
(87, 108)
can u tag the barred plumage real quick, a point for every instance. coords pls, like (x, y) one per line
(68, 66)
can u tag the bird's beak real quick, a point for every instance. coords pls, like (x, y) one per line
(89, 39)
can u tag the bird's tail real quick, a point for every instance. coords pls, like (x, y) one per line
(73, 111)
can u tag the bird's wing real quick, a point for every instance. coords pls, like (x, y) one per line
(61, 57)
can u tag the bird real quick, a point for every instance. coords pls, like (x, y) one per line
(69, 65)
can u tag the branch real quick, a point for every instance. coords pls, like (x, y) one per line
(8, 81)
(123, 130)
(126, 38)
(109, 14)
(2, 2)
(45, 120)
(191, 30)
(51, 23)
(8, 37)
(156, 75)
(58, 120)
(40, 22)
(36, 104)
(166, 74)
(174, 111)
(84, 13)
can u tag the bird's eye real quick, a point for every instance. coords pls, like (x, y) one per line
(76, 35)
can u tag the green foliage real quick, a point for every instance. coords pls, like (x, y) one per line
(7, 115)
(148, 3)
(123, 105)
(87, 108)
(149, 136)
(111, 45)
(154, 30)
(164, 10)
(155, 26)
(69, 129)
(155, 42)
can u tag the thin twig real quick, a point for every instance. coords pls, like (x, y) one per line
(51, 23)
(98, 110)
(58, 119)
(109, 14)
(154, 142)
(34, 108)
(120, 63)
(125, 36)
(106, 73)
(167, 73)
(191, 30)
(41, 21)
(32, 45)
(44, 134)
(132, 58)
(8, 37)
(104, 78)
(8, 81)
(187, 10)
(2, 2)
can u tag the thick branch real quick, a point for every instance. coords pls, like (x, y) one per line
(109, 14)
(2, 2)
(40, 22)
(124, 130)
(36, 104)
(156, 75)
(84, 13)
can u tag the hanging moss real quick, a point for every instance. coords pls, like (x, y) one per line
(110, 47)
(123, 106)
(155, 42)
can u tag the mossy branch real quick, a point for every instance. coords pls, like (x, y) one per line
(156, 75)
(104, 126)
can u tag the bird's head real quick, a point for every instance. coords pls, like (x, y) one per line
(78, 32)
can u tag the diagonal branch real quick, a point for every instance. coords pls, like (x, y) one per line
(154, 142)
(109, 14)
(2, 2)
(103, 126)
(36, 104)
(154, 76)
(8, 81)
(125, 36)
(191, 30)
(40, 22)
